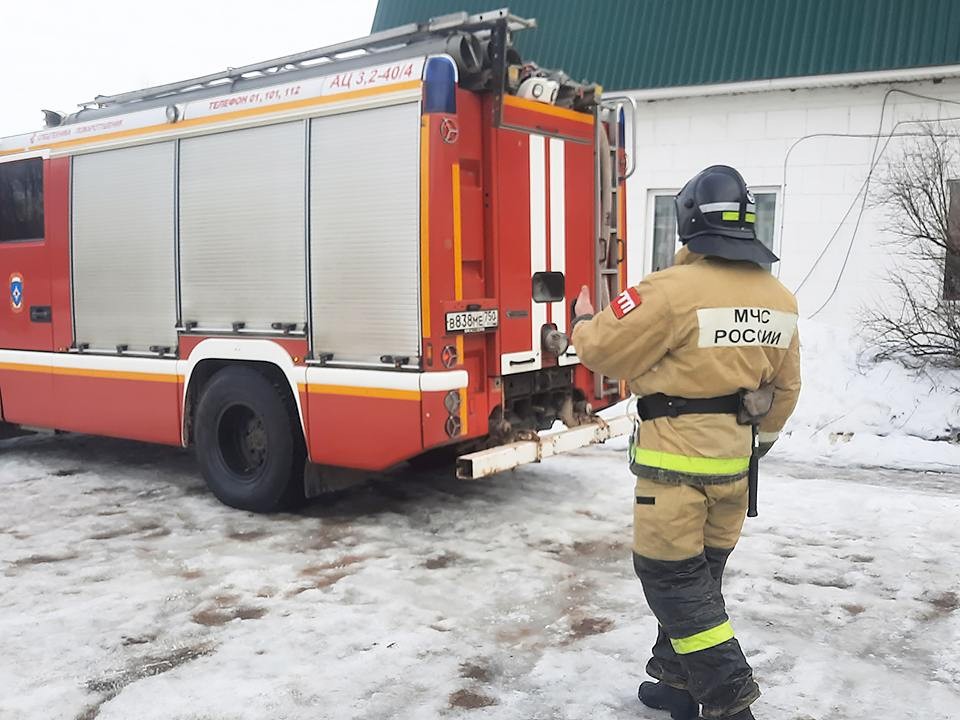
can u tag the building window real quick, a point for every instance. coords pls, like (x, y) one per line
(766, 217)
(21, 200)
(665, 226)
(951, 260)
(664, 232)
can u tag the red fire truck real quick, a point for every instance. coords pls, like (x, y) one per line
(350, 257)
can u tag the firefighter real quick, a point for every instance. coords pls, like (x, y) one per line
(698, 342)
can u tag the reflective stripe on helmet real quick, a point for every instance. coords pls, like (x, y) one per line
(730, 210)
(735, 216)
(691, 465)
(719, 206)
(703, 640)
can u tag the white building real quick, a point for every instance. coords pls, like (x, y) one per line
(806, 146)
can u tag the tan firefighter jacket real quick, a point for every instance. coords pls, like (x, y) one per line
(703, 328)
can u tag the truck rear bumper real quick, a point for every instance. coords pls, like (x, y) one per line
(504, 457)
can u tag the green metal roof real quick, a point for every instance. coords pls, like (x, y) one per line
(631, 44)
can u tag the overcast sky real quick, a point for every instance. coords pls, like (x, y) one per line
(59, 53)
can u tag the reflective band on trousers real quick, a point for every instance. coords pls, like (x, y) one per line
(691, 465)
(703, 640)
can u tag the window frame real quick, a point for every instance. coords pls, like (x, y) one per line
(651, 223)
(652, 195)
(950, 281)
(775, 241)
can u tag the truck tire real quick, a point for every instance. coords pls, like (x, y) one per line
(248, 441)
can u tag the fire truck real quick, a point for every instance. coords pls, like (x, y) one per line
(348, 258)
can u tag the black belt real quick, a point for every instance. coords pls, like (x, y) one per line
(659, 405)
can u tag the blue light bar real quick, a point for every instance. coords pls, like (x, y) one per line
(440, 85)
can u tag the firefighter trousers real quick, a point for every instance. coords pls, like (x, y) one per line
(683, 535)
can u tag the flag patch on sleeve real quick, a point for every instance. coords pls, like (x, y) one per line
(626, 302)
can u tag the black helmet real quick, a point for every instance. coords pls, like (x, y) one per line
(716, 215)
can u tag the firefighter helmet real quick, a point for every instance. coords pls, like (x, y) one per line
(717, 215)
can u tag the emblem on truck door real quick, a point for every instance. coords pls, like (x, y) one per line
(16, 292)
(449, 132)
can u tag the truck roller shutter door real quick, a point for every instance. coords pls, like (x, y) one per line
(242, 228)
(365, 227)
(123, 248)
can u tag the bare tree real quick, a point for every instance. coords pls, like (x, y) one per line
(920, 190)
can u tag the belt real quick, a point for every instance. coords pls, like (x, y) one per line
(659, 405)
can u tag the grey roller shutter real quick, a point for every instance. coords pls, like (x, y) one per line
(242, 227)
(123, 248)
(365, 227)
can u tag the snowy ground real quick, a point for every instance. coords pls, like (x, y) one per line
(855, 411)
(127, 591)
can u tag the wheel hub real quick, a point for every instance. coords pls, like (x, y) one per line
(243, 440)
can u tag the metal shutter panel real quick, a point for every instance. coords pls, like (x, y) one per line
(365, 227)
(243, 227)
(123, 248)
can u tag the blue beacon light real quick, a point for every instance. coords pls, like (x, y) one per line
(440, 85)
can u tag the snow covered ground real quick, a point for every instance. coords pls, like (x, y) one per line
(854, 411)
(127, 591)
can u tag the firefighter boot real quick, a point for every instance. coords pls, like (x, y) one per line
(744, 714)
(660, 696)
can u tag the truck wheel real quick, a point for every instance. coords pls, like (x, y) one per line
(248, 441)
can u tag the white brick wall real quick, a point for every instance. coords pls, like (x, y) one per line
(788, 140)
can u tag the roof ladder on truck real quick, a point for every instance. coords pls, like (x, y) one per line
(609, 132)
(446, 33)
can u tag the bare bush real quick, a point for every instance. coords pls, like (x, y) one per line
(920, 190)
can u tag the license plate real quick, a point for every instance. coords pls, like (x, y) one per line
(470, 321)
